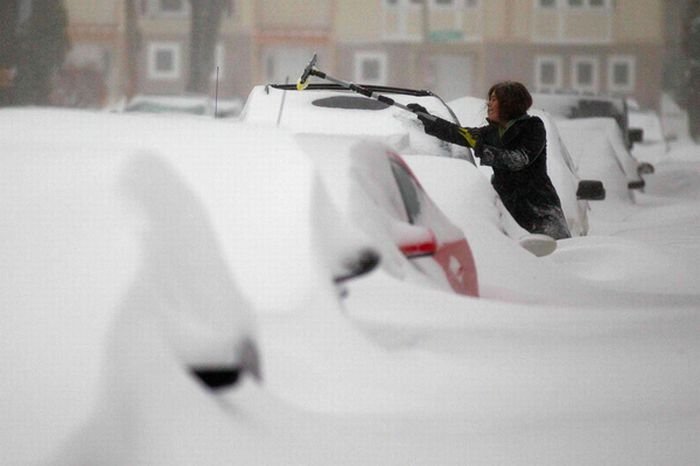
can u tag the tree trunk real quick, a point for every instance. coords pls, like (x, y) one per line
(8, 49)
(692, 49)
(204, 33)
(133, 46)
(43, 43)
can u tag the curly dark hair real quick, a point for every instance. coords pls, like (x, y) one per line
(514, 99)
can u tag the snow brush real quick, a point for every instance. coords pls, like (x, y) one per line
(311, 70)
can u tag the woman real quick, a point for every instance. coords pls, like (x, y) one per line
(514, 144)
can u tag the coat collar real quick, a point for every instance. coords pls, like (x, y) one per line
(513, 128)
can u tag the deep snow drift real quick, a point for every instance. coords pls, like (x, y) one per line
(587, 356)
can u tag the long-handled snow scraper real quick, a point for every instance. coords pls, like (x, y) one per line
(311, 70)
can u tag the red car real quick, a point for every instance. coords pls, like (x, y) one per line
(379, 194)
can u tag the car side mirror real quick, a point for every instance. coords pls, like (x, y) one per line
(590, 190)
(359, 264)
(414, 240)
(645, 168)
(635, 135)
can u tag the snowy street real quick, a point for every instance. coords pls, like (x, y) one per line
(127, 258)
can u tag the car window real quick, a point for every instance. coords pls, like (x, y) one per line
(409, 190)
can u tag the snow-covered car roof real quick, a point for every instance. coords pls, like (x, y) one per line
(183, 104)
(331, 109)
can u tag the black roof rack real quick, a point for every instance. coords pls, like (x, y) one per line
(371, 87)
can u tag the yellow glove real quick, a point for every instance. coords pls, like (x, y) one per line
(470, 135)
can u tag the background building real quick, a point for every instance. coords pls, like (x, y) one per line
(453, 47)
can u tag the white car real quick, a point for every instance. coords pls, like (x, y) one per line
(597, 146)
(608, 114)
(331, 109)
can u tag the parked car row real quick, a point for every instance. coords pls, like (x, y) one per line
(330, 108)
(601, 115)
(156, 253)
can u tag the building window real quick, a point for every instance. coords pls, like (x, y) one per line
(402, 19)
(370, 68)
(164, 60)
(168, 8)
(573, 4)
(454, 4)
(588, 3)
(621, 74)
(172, 6)
(584, 74)
(548, 73)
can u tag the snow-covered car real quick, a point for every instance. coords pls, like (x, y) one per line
(574, 192)
(575, 106)
(186, 104)
(655, 144)
(597, 146)
(328, 110)
(98, 211)
(377, 191)
(332, 109)
(142, 254)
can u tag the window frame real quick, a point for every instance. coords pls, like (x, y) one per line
(402, 8)
(631, 62)
(575, 83)
(183, 12)
(158, 75)
(558, 62)
(565, 5)
(362, 56)
(540, 6)
(456, 5)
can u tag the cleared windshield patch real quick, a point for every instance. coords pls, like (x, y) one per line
(350, 102)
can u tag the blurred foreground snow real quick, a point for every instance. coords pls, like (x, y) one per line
(587, 356)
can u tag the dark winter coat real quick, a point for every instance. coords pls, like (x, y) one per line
(519, 162)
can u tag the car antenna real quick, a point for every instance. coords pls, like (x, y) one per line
(284, 95)
(216, 94)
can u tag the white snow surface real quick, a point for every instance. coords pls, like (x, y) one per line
(132, 245)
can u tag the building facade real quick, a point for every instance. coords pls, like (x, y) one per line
(453, 47)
